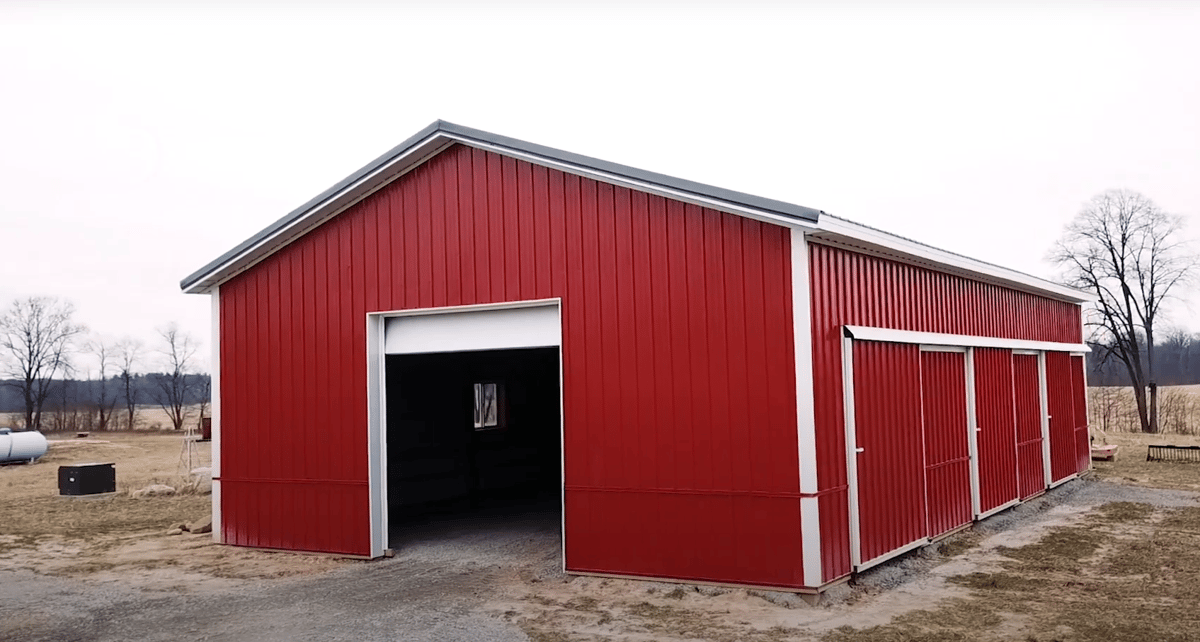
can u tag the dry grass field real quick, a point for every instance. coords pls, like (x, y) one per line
(1112, 409)
(147, 417)
(119, 536)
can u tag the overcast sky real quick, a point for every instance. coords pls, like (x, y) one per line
(138, 143)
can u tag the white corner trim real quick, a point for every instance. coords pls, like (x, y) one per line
(806, 431)
(215, 413)
(1087, 409)
(854, 236)
(930, 339)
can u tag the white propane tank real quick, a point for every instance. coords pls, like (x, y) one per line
(21, 446)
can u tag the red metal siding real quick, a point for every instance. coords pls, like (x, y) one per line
(856, 289)
(996, 437)
(887, 419)
(1031, 476)
(1060, 400)
(678, 376)
(947, 457)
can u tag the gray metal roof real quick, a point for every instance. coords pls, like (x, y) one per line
(437, 137)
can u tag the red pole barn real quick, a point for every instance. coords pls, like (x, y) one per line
(719, 387)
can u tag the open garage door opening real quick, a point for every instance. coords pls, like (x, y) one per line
(473, 442)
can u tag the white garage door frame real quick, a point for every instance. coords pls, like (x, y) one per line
(499, 326)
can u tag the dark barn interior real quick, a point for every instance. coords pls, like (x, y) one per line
(445, 458)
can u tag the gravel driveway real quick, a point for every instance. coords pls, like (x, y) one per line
(433, 590)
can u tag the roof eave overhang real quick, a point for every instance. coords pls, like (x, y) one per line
(861, 238)
(436, 138)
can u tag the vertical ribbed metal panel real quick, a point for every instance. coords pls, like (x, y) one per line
(1027, 408)
(849, 288)
(678, 375)
(997, 429)
(947, 456)
(887, 412)
(1060, 402)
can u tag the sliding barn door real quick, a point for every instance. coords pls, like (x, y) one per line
(1031, 475)
(947, 456)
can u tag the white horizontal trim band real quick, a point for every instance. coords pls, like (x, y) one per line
(863, 333)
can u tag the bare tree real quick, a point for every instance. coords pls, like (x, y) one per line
(106, 395)
(128, 353)
(172, 388)
(35, 338)
(1128, 253)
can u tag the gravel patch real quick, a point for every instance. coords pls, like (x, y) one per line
(1019, 525)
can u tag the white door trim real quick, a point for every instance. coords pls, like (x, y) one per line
(851, 452)
(376, 348)
(973, 434)
(1044, 408)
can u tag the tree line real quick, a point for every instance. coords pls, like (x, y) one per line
(111, 404)
(1177, 363)
(41, 352)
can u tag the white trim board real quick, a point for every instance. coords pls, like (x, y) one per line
(864, 333)
(215, 413)
(806, 430)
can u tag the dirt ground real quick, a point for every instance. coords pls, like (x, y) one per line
(1115, 556)
(115, 537)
